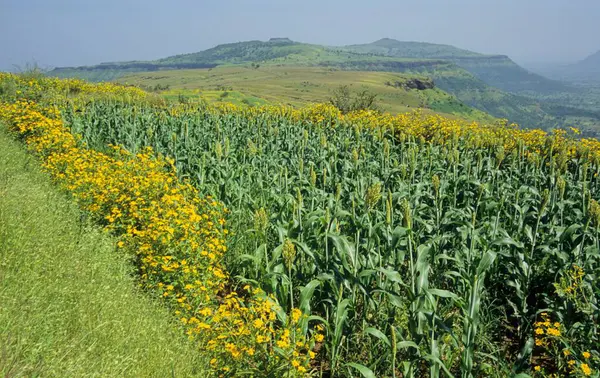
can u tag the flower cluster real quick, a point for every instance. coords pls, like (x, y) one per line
(550, 341)
(418, 126)
(59, 91)
(178, 240)
(546, 332)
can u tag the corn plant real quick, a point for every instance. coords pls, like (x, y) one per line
(417, 257)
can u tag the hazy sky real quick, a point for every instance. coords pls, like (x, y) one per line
(81, 32)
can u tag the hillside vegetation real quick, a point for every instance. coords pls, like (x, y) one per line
(491, 83)
(495, 70)
(298, 86)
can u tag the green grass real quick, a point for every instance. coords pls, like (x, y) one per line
(298, 86)
(68, 303)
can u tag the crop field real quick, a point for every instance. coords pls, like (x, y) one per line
(303, 242)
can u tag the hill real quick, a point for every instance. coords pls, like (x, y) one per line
(496, 70)
(297, 86)
(585, 72)
(480, 81)
(276, 51)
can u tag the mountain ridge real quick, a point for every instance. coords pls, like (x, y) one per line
(492, 83)
(585, 72)
(496, 70)
(593, 59)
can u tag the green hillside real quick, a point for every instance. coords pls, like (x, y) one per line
(277, 51)
(496, 70)
(297, 86)
(491, 83)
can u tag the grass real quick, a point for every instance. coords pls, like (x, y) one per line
(68, 303)
(298, 86)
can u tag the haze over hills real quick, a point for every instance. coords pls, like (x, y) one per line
(492, 83)
(585, 72)
(495, 70)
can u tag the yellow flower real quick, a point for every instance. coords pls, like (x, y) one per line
(296, 314)
(537, 368)
(258, 323)
(319, 337)
(586, 355)
(585, 369)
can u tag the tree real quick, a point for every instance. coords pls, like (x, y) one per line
(343, 99)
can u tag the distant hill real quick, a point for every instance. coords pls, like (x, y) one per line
(392, 47)
(585, 72)
(481, 81)
(277, 51)
(299, 86)
(496, 70)
(591, 62)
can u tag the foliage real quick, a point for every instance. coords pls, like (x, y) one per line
(343, 99)
(490, 83)
(68, 304)
(298, 86)
(178, 243)
(419, 245)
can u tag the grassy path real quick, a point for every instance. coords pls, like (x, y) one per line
(68, 304)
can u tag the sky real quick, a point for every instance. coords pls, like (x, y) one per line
(54, 33)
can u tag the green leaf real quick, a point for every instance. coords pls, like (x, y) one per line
(486, 261)
(306, 294)
(443, 293)
(378, 334)
(568, 233)
(528, 232)
(392, 275)
(406, 344)
(507, 241)
(345, 249)
(365, 371)
(394, 299)
(439, 362)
